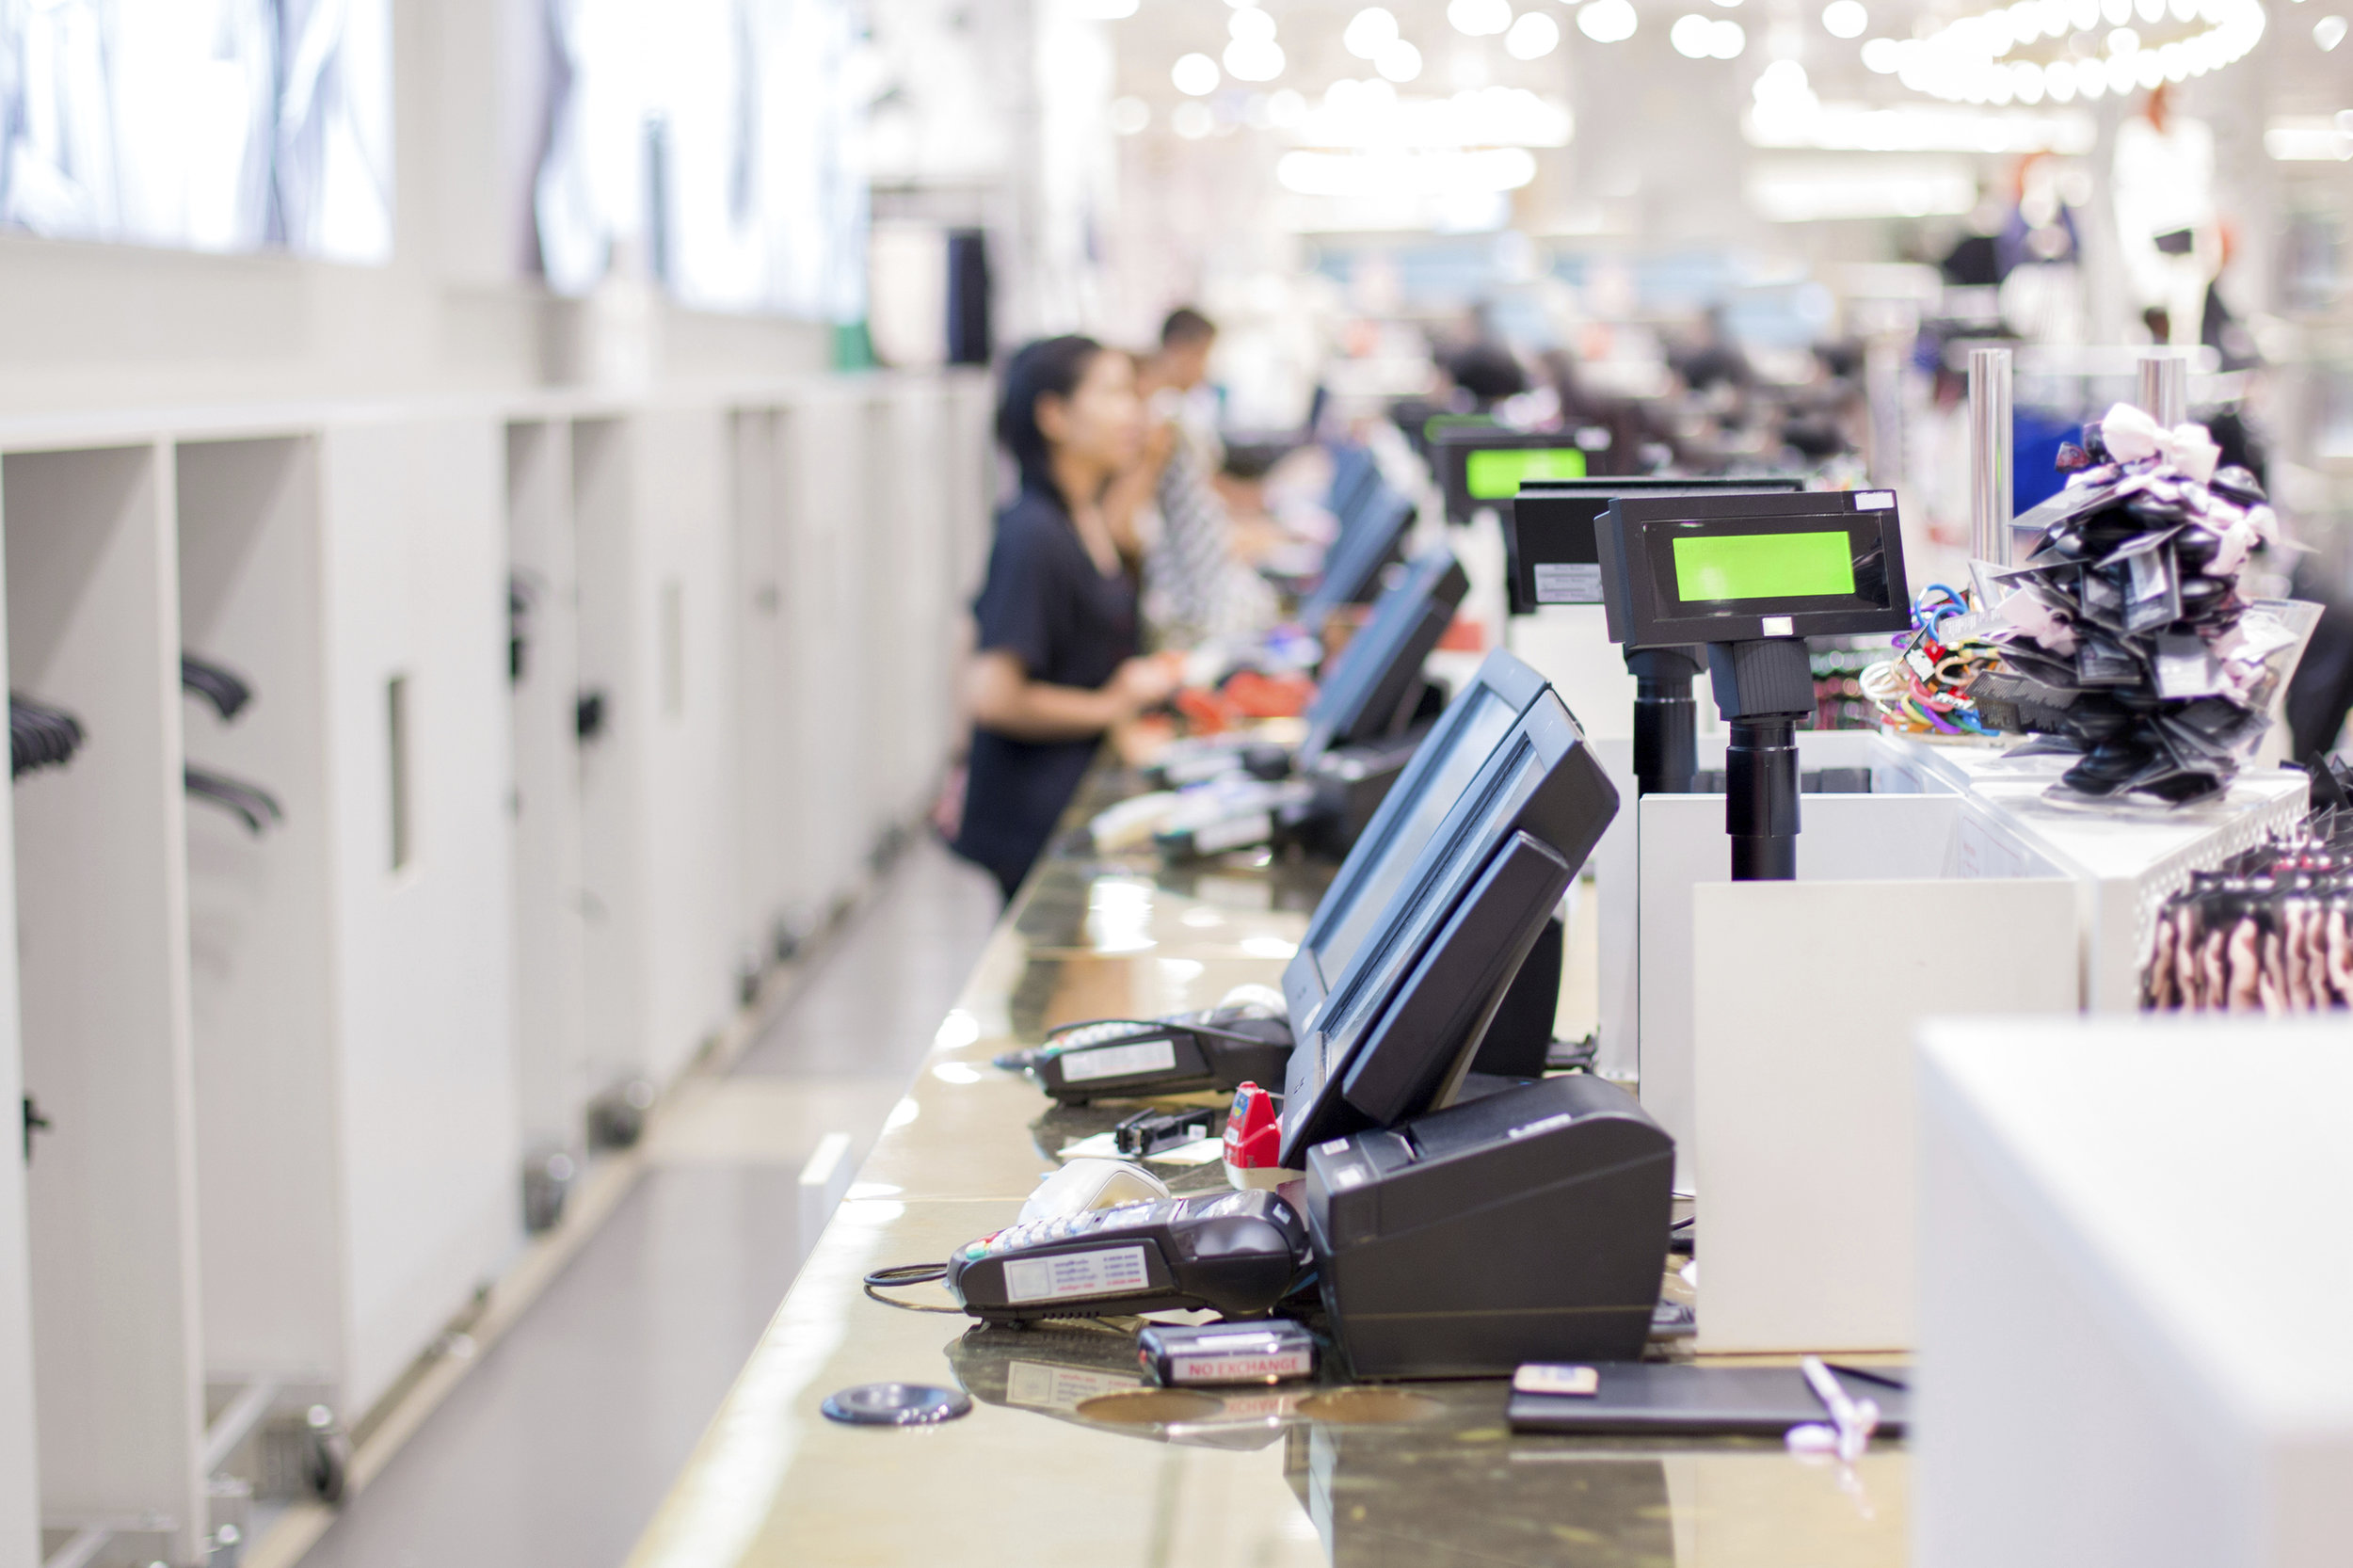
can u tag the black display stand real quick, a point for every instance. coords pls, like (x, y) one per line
(1763, 688)
(1666, 719)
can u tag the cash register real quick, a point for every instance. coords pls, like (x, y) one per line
(1225, 1046)
(1363, 728)
(1447, 1233)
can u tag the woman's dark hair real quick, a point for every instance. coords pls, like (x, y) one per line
(1050, 367)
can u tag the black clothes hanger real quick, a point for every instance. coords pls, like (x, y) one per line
(255, 806)
(227, 691)
(40, 736)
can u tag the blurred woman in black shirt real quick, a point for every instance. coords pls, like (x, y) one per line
(1055, 666)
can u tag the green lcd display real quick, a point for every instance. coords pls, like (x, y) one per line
(1496, 472)
(1712, 568)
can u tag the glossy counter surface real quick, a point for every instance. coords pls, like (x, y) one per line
(1063, 1460)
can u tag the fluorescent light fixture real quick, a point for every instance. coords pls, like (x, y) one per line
(2311, 139)
(1835, 191)
(1371, 115)
(1845, 17)
(1474, 171)
(1254, 60)
(1194, 74)
(1532, 37)
(1479, 18)
(1367, 31)
(1607, 21)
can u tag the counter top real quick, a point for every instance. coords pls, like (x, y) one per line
(1067, 1458)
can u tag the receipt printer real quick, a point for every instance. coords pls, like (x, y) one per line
(1528, 1225)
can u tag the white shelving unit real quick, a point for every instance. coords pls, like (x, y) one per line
(293, 1075)
(102, 914)
(554, 1072)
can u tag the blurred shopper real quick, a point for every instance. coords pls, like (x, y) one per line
(1197, 587)
(2165, 223)
(1055, 665)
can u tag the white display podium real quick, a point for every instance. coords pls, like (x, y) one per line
(2136, 1248)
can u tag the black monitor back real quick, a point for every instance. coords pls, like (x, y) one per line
(1474, 723)
(1351, 567)
(1548, 531)
(1452, 452)
(1354, 475)
(1372, 687)
(1416, 997)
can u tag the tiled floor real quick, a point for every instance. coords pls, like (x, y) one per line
(555, 1451)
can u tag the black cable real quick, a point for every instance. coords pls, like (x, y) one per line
(907, 1274)
(227, 691)
(255, 806)
(40, 736)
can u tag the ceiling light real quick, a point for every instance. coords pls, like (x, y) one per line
(1725, 39)
(1881, 55)
(1367, 31)
(1195, 74)
(1250, 26)
(1532, 37)
(1254, 59)
(1845, 18)
(1485, 169)
(1479, 18)
(1285, 109)
(1690, 36)
(1398, 60)
(1607, 21)
(1976, 59)
(1193, 120)
(2328, 32)
(1130, 116)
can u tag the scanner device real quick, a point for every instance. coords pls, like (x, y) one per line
(1083, 1185)
(1244, 1039)
(1234, 1252)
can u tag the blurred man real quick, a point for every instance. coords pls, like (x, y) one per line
(1197, 587)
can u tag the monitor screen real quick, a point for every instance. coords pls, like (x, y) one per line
(1351, 567)
(1540, 780)
(1463, 746)
(1713, 568)
(1486, 465)
(1728, 569)
(1369, 692)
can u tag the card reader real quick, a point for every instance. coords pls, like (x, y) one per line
(1528, 1225)
(1221, 1047)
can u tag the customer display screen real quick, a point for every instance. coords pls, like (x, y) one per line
(1496, 472)
(1713, 568)
(1467, 746)
(1767, 567)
